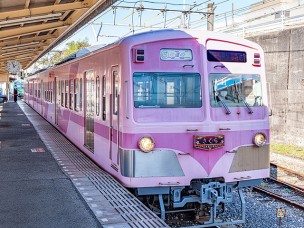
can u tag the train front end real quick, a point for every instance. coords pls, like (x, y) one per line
(197, 124)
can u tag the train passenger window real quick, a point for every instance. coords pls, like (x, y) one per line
(66, 91)
(167, 90)
(75, 94)
(62, 93)
(47, 91)
(43, 91)
(235, 90)
(80, 95)
(97, 95)
(71, 104)
(115, 92)
(51, 92)
(39, 88)
(104, 98)
(35, 88)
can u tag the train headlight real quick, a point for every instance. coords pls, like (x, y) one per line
(146, 144)
(259, 139)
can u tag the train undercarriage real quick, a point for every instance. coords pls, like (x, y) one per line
(198, 205)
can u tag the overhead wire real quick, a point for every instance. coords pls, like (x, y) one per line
(196, 21)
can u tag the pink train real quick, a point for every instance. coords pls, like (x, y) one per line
(179, 116)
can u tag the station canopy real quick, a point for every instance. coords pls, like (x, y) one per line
(31, 28)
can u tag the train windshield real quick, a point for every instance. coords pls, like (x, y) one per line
(235, 90)
(167, 90)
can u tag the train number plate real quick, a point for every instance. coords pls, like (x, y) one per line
(209, 142)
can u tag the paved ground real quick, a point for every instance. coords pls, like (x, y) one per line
(34, 192)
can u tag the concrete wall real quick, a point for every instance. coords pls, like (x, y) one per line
(284, 57)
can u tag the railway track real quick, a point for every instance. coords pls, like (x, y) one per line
(278, 186)
(287, 176)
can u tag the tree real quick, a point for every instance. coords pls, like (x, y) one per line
(56, 56)
(75, 46)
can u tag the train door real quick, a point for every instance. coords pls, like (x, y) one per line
(56, 98)
(114, 120)
(89, 110)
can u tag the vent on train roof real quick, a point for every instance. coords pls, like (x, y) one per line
(38, 71)
(79, 53)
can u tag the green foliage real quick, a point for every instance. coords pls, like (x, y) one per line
(290, 150)
(73, 46)
(56, 56)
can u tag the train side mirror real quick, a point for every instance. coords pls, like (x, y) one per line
(270, 112)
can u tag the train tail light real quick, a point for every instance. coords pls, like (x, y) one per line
(146, 144)
(256, 60)
(259, 139)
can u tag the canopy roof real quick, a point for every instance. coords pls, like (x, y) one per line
(31, 28)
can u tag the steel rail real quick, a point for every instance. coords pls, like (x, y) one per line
(279, 197)
(289, 171)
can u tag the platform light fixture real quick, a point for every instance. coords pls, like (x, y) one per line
(32, 19)
(23, 58)
(18, 52)
(20, 45)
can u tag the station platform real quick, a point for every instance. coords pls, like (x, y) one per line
(46, 181)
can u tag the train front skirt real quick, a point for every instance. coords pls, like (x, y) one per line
(209, 196)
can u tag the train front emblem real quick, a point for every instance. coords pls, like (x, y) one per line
(212, 142)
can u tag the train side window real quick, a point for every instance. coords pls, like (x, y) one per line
(71, 104)
(104, 98)
(35, 88)
(38, 90)
(97, 95)
(45, 90)
(115, 92)
(62, 93)
(66, 90)
(80, 94)
(76, 84)
(48, 92)
(51, 91)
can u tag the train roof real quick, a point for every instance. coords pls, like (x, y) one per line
(201, 35)
(38, 71)
(151, 36)
(80, 53)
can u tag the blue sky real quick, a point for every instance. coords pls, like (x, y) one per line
(126, 17)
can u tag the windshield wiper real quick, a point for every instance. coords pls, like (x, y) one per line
(219, 99)
(241, 98)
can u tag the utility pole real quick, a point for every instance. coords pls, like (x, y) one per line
(210, 17)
